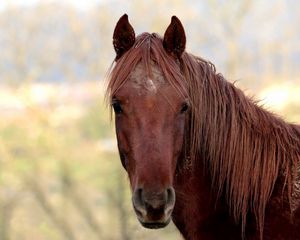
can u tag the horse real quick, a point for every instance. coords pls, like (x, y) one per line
(197, 150)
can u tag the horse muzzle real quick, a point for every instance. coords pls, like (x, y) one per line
(154, 209)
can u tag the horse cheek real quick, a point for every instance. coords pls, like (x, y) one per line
(123, 144)
(178, 139)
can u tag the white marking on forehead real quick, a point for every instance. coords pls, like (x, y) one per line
(141, 81)
(150, 85)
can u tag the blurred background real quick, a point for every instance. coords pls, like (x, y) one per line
(60, 176)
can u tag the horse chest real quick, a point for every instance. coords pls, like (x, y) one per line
(187, 214)
(196, 214)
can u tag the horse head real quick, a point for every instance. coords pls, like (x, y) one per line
(149, 99)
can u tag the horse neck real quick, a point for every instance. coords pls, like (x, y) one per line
(243, 147)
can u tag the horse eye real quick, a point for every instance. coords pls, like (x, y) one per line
(117, 107)
(184, 107)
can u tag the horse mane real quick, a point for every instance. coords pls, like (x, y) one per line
(244, 148)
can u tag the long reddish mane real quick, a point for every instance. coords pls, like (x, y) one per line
(244, 148)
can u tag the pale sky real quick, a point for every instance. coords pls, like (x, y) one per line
(80, 4)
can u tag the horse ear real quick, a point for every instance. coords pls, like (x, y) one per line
(174, 38)
(124, 36)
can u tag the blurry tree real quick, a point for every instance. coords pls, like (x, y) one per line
(231, 14)
(57, 218)
(54, 42)
(71, 194)
(7, 206)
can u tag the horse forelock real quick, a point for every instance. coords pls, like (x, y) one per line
(148, 65)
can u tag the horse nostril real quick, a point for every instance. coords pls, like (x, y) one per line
(138, 197)
(138, 202)
(170, 200)
(171, 196)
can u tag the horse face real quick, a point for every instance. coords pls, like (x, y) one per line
(150, 118)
